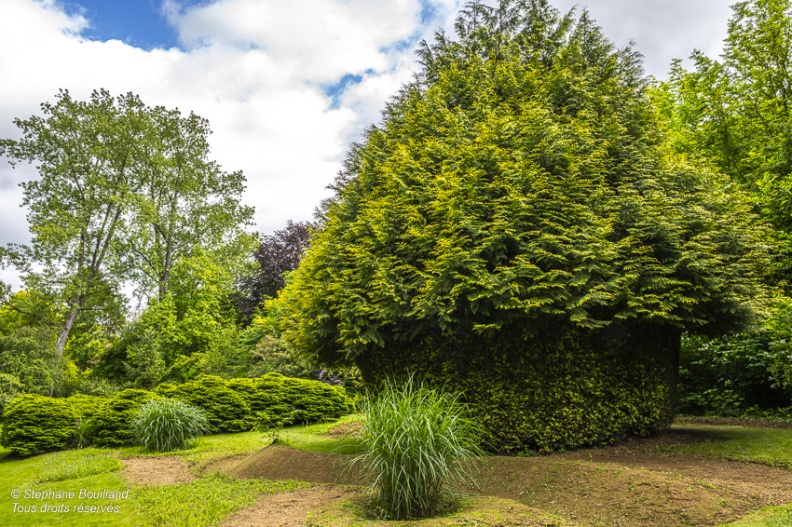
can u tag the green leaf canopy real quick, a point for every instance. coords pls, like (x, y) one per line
(520, 180)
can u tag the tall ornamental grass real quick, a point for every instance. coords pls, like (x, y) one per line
(165, 424)
(417, 442)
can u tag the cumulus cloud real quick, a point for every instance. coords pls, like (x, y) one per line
(263, 73)
(662, 31)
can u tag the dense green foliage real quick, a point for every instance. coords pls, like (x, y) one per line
(736, 111)
(417, 441)
(740, 374)
(277, 401)
(33, 424)
(518, 205)
(125, 193)
(226, 409)
(165, 425)
(234, 405)
(112, 425)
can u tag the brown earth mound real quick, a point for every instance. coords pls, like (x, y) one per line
(282, 462)
(636, 484)
(287, 509)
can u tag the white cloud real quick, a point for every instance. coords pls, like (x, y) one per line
(255, 69)
(662, 30)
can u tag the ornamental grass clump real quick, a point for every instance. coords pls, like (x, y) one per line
(417, 442)
(165, 424)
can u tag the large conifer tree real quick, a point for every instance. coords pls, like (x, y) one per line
(515, 227)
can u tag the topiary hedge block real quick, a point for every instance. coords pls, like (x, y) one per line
(112, 425)
(552, 393)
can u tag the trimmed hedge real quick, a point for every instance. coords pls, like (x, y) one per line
(226, 410)
(276, 400)
(112, 425)
(552, 393)
(34, 423)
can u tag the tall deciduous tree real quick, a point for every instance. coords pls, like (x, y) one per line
(89, 158)
(518, 228)
(124, 192)
(737, 111)
(185, 200)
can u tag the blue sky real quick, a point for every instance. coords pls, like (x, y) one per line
(139, 23)
(287, 85)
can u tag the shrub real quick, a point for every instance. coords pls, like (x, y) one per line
(276, 400)
(35, 423)
(112, 425)
(731, 376)
(416, 441)
(167, 424)
(513, 194)
(226, 410)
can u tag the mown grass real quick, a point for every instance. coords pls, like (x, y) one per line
(75, 464)
(206, 501)
(768, 517)
(770, 446)
(201, 503)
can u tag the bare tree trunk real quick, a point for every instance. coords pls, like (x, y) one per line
(68, 324)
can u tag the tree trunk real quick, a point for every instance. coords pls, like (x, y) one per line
(68, 324)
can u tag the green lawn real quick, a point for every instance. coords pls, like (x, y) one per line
(211, 498)
(204, 502)
(770, 446)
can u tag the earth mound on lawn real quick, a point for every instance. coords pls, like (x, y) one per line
(637, 483)
(479, 510)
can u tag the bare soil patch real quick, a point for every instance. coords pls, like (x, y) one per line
(156, 471)
(287, 509)
(344, 430)
(638, 483)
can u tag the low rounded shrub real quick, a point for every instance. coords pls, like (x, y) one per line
(276, 400)
(36, 423)
(112, 425)
(226, 410)
(416, 442)
(166, 424)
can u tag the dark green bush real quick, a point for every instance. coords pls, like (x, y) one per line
(112, 425)
(35, 423)
(276, 400)
(731, 376)
(550, 393)
(226, 410)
